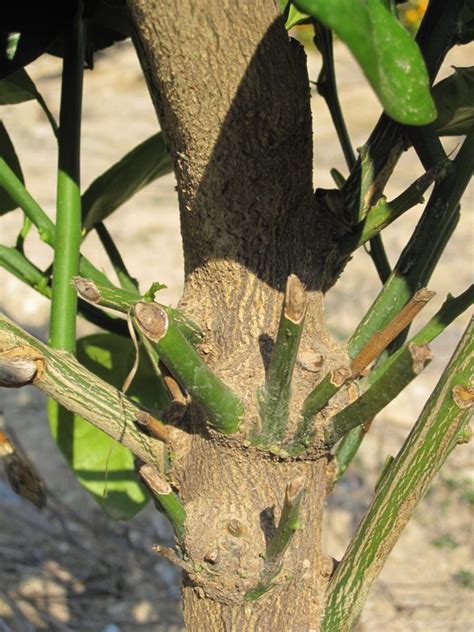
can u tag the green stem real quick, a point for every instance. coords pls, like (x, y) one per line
(287, 526)
(224, 409)
(124, 300)
(275, 394)
(427, 145)
(126, 281)
(46, 229)
(391, 377)
(424, 249)
(23, 234)
(62, 333)
(17, 264)
(423, 453)
(167, 499)
(384, 213)
(64, 379)
(379, 257)
(347, 449)
(327, 88)
(16, 190)
(333, 381)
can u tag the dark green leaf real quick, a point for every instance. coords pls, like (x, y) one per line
(28, 46)
(390, 59)
(454, 98)
(17, 88)
(134, 171)
(7, 152)
(104, 467)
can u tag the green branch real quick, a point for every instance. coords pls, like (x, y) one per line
(17, 191)
(287, 526)
(127, 282)
(17, 264)
(391, 377)
(167, 500)
(384, 213)
(123, 301)
(429, 443)
(59, 375)
(327, 88)
(224, 409)
(62, 332)
(436, 35)
(334, 380)
(424, 249)
(276, 392)
(46, 229)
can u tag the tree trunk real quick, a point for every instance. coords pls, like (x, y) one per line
(232, 94)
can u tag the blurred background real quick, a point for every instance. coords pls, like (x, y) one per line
(69, 567)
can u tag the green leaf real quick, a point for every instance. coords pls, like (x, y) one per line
(454, 98)
(390, 59)
(7, 152)
(17, 88)
(104, 467)
(135, 170)
(295, 17)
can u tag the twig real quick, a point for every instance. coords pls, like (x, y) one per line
(421, 254)
(391, 377)
(281, 539)
(383, 338)
(275, 394)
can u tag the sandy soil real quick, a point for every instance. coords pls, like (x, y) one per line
(69, 567)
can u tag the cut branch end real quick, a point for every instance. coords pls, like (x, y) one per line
(152, 320)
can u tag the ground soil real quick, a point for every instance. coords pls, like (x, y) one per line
(70, 568)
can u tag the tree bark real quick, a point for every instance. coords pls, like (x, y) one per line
(232, 95)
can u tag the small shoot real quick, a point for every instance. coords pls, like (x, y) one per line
(287, 526)
(276, 392)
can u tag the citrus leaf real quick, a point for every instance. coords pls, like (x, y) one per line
(102, 466)
(17, 88)
(7, 152)
(135, 170)
(390, 59)
(454, 98)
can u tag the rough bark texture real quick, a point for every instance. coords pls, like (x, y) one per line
(232, 95)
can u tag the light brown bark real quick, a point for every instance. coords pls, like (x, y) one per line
(232, 95)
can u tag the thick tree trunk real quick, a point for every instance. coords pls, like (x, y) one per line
(232, 95)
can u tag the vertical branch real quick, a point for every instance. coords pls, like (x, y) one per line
(431, 440)
(277, 389)
(67, 234)
(68, 215)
